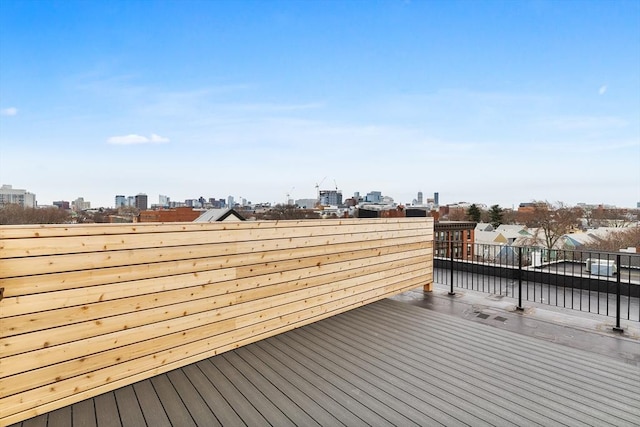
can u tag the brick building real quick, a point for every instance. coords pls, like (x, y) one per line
(181, 214)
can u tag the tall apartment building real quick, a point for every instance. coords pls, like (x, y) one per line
(373, 197)
(330, 197)
(163, 200)
(79, 204)
(141, 201)
(10, 195)
(121, 201)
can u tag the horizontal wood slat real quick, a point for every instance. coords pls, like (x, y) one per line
(89, 309)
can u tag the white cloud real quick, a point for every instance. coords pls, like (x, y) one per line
(11, 111)
(136, 139)
(157, 138)
(602, 89)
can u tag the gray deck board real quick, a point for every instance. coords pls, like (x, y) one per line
(84, 413)
(107, 410)
(284, 403)
(223, 411)
(330, 382)
(150, 405)
(253, 394)
(197, 407)
(463, 383)
(245, 410)
(171, 401)
(388, 363)
(320, 400)
(60, 417)
(539, 370)
(128, 407)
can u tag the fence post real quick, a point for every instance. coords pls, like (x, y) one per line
(519, 307)
(617, 328)
(451, 262)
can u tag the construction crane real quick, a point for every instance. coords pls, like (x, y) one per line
(288, 195)
(318, 188)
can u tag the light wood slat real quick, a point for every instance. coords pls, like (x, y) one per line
(21, 341)
(96, 260)
(13, 306)
(48, 319)
(19, 325)
(51, 337)
(21, 406)
(27, 285)
(14, 248)
(127, 314)
(57, 230)
(166, 332)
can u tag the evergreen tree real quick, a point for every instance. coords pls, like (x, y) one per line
(474, 213)
(495, 216)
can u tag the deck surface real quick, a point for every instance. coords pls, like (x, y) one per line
(388, 363)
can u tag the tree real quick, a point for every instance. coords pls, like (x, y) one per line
(16, 214)
(495, 216)
(457, 214)
(550, 222)
(616, 240)
(281, 211)
(474, 213)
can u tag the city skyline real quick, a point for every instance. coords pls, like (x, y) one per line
(499, 102)
(167, 200)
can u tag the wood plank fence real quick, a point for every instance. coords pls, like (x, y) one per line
(90, 308)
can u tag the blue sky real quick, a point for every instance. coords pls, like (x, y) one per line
(495, 102)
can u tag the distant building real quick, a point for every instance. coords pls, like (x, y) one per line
(373, 197)
(163, 200)
(62, 204)
(141, 202)
(530, 207)
(306, 203)
(330, 198)
(121, 201)
(79, 205)
(454, 238)
(181, 214)
(219, 215)
(10, 195)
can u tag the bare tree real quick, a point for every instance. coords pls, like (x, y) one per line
(16, 214)
(616, 240)
(552, 222)
(604, 217)
(281, 211)
(457, 214)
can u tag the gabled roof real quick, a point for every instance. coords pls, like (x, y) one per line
(213, 215)
(512, 231)
(489, 237)
(484, 226)
(577, 239)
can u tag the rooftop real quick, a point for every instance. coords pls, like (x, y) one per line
(414, 359)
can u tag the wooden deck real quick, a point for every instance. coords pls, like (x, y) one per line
(388, 363)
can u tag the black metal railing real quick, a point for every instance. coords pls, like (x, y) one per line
(598, 282)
